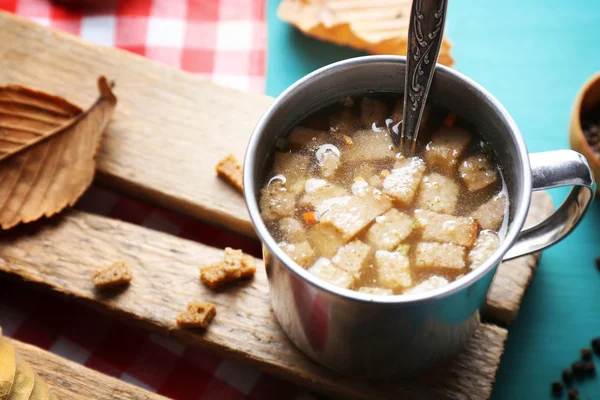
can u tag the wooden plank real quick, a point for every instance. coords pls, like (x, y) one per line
(60, 255)
(71, 381)
(170, 127)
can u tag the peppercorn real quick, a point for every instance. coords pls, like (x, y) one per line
(573, 394)
(589, 368)
(567, 376)
(596, 345)
(557, 388)
(578, 369)
(586, 354)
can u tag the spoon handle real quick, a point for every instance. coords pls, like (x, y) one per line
(425, 35)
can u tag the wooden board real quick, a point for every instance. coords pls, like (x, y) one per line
(71, 381)
(170, 127)
(60, 255)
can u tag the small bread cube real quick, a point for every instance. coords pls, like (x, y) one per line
(486, 244)
(372, 112)
(292, 230)
(393, 269)
(440, 255)
(324, 269)
(446, 228)
(292, 166)
(234, 266)
(433, 282)
(351, 218)
(276, 202)
(230, 170)
(325, 239)
(116, 274)
(197, 315)
(343, 121)
(477, 172)
(370, 146)
(302, 253)
(390, 229)
(446, 147)
(438, 193)
(319, 190)
(403, 182)
(301, 137)
(352, 257)
(329, 164)
(376, 290)
(490, 215)
(232, 260)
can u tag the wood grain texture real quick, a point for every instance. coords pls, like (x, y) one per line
(61, 254)
(165, 119)
(513, 277)
(71, 381)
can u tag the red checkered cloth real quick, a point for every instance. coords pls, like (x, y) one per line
(223, 40)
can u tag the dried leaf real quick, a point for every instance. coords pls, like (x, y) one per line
(375, 26)
(47, 151)
(8, 366)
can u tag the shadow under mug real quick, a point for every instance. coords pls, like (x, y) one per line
(378, 336)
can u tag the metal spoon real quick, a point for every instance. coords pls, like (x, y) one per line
(425, 34)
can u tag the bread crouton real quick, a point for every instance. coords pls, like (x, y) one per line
(438, 193)
(276, 202)
(360, 210)
(446, 148)
(393, 269)
(369, 146)
(234, 266)
(477, 172)
(197, 315)
(486, 244)
(230, 170)
(404, 180)
(302, 253)
(292, 230)
(324, 269)
(390, 229)
(440, 255)
(116, 274)
(490, 215)
(352, 257)
(437, 227)
(372, 112)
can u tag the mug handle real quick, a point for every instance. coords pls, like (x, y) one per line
(552, 169)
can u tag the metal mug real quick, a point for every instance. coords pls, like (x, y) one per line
(381, 336)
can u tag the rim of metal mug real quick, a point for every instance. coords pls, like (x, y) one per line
(515, 225)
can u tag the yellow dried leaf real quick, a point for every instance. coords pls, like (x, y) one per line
(47, 151)
(24, 381)
(8, 366)
(40, 389)
(375, 26)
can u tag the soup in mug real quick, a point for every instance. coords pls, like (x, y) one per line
(347, 205)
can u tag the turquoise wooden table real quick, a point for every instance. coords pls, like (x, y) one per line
(533, 56)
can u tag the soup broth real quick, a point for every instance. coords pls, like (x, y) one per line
(347, 205)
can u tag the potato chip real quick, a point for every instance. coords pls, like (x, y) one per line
(375, 26)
